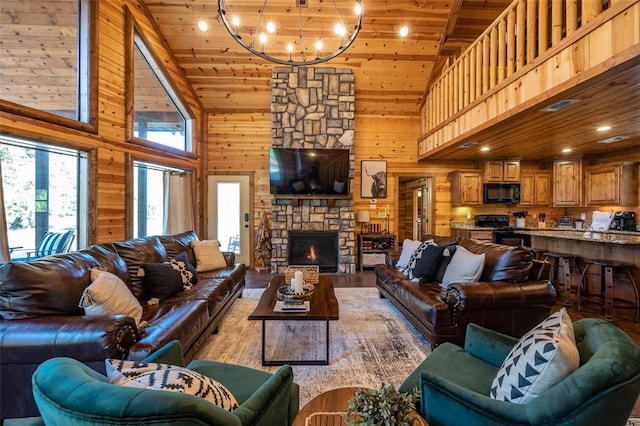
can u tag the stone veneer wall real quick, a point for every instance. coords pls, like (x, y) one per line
(313, 107)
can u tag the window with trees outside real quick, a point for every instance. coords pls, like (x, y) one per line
(45, 189)
(159, 116)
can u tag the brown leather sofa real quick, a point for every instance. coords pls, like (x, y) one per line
(504, 299)
(40, 317)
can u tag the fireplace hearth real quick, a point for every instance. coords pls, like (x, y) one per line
(314, 248)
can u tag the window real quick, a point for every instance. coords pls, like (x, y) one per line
(158, 114)
(45, 190)
(45, 49)
(152, 185)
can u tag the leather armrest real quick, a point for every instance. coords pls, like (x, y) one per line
(500, 294)
(85, 338)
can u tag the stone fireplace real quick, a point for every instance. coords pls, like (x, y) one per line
(313, 107)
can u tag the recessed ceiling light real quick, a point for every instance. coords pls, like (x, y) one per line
(485, 149)
(567, 150)
(404, 31)
(202, 25)
(603, 128)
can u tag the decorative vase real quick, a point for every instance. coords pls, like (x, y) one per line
(520, 222)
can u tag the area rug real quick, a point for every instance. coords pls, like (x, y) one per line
(371, 343)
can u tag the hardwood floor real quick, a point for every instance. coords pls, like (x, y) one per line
(623, 318)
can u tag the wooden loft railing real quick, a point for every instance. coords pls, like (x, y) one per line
(497, 72)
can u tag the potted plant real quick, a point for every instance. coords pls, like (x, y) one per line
(520, 218)
(383, 406)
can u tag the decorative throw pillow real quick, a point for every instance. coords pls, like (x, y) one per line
(540, 359)
(465, 267)
(427, 265)
(109, 295)
(208, 255)
(414, 257)
(168, 278)
(447, 255)
(408, 248)
(170, 378)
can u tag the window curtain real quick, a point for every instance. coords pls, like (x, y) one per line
(4, 239)
(178, 203)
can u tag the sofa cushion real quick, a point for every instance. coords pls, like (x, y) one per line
(165, 279)
(135, 252)
(427, 265)
(408, 248)
(177, 243)
(52, 285)
(541, 358)
(109, 295)
(465, 267)
(171, 378)
(208, 255)
(502, 262)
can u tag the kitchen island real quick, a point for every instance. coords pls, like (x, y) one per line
(618, 246)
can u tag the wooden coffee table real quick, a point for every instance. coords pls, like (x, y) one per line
(333, 402)
(323, 307)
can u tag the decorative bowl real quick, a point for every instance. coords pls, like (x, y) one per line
(285, 293)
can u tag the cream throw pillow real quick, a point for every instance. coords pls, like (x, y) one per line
(208, 255)
(109, 295)
(465, 267)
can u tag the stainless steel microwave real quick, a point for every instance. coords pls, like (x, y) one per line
(501, 193)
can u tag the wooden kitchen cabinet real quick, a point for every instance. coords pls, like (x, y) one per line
(476, 234)
(615, 184)
(466, 188)
(502, 171)
(567, 183)
(535, 188)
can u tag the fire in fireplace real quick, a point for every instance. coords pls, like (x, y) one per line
(314, 248)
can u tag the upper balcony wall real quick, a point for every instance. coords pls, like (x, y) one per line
(502, 72)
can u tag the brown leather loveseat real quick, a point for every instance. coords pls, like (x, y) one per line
(40, 317)
(505, 298)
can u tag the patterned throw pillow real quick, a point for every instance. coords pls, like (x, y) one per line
(163, 280)
(169, 378)
(428, 263)
(543, 357)
(414, 258)
(408, 248)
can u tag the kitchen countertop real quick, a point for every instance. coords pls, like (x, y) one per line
(611, 237)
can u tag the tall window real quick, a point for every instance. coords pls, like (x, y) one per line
(45, 190)
(45, 50)
(156, 198)
(158, 114)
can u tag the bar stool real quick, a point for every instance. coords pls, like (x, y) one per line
(607, 273)
(564, 260)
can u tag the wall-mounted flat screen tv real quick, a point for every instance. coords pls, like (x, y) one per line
(309, 171)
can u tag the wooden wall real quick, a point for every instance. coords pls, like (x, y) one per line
(107, 141)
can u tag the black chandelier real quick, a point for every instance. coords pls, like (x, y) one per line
(297, 34)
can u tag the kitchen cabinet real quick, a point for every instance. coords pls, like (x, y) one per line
(375, 248)
(476, 234)
(615, 184)
(502, 171)
(466, 188)
(567, 183)
(535, 188)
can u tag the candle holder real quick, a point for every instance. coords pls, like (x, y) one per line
(285, 293)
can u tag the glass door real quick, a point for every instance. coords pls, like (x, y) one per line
(230, 220)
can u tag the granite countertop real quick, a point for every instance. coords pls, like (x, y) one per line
(611, 237)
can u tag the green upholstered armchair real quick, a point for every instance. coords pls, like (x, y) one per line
(455, 382)
(69, 393)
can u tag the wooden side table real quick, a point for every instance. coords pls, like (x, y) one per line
(336, 401)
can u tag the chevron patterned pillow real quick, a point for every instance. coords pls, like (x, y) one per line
(170, 378)
(542, 357)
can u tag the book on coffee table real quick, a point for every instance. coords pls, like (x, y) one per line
(284, 306)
